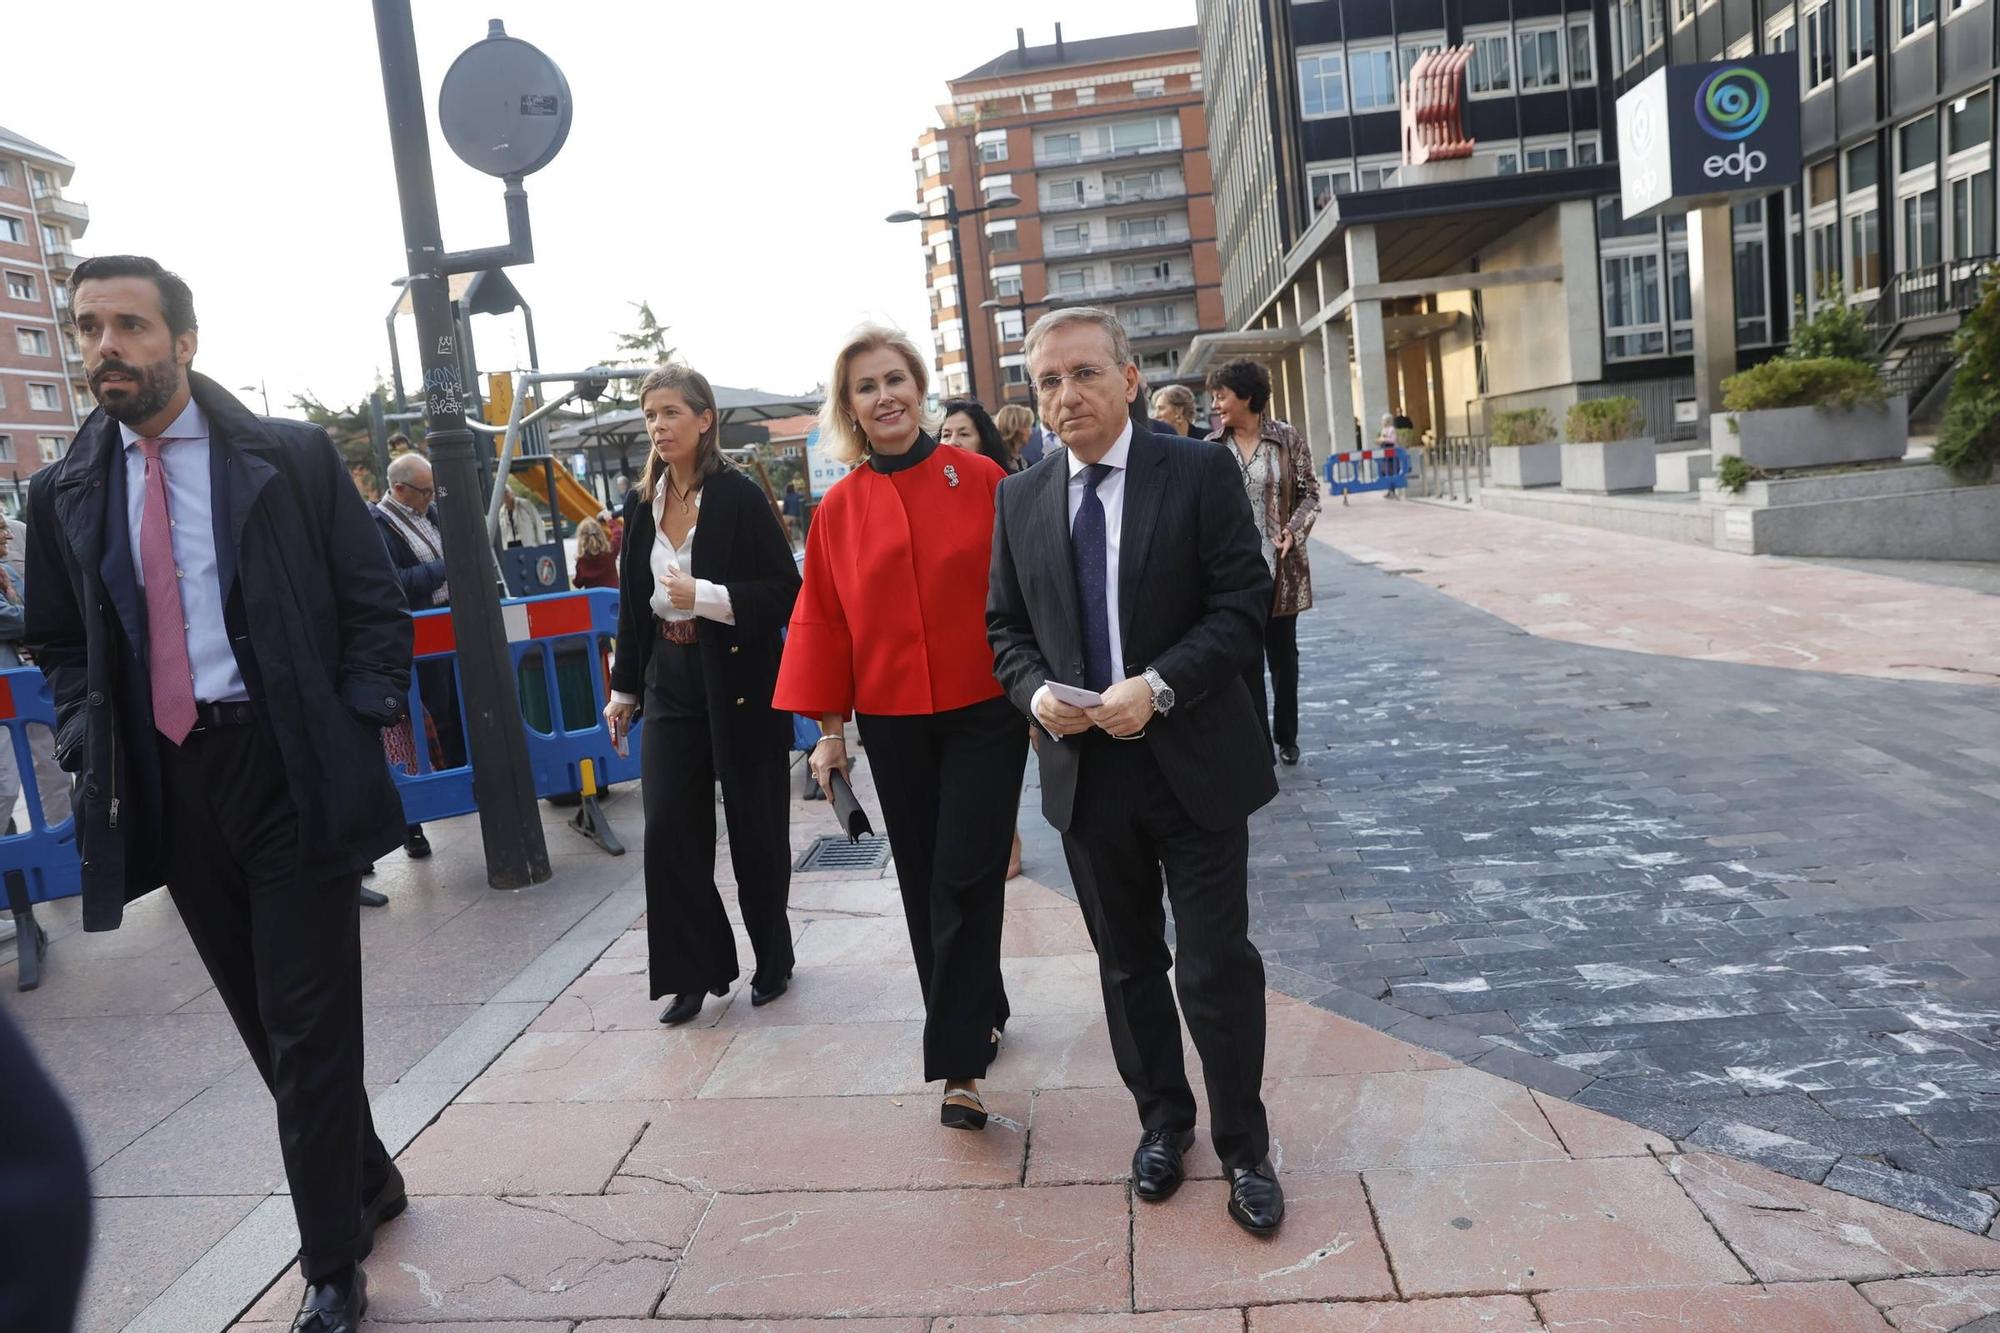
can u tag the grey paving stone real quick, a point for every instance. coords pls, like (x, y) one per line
(1913, 1193)
(1779, 1152)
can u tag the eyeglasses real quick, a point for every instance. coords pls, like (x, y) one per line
(426, 491)
(1082, 377)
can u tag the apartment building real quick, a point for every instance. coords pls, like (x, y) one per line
(43, 394)
(1104, 144)
(1896, 210)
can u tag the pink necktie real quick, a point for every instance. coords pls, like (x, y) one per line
(166, 622)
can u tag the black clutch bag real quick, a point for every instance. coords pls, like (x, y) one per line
(846, 808)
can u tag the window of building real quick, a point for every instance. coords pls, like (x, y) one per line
(1864, 252)
(1781, 34)
(1491, 71)
(6, 179)
(1412, 48)
(1086, 97)
(51, 447)
(1916, 144)
(995, 187)
(1070, 281)
(1630, 32)
(1001, 237)
(1821, 180)
(1587, 150)
(1819, 46)
(1127, 137)
(1920, 224)
(20, 287)
(1913, 16)
(1857, 20)
(1068, 193)
(1013, 371)
(32, 342)
(1541, 53)
(1546, 155)
(6, 443)
(1508, 161)
(1377, 173)
(1007, 283)
(1043, 102)
(1324, 181)
(1066, 146)
(1149, 87)
(1969, 172)
(1683, 12)
(1753, 275)
(936, 159)
(3, 393)
(992, 145)
(12, 231)
(53, 239)
(44, 398)
(1322, 84)
(1007, 325)
(1131, 186)
(1371, 75)
(1140, 230)
(1582, 52)
(1633, 326)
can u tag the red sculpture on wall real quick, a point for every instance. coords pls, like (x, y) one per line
(1434, 107)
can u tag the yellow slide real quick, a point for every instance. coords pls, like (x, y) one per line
(577, 501)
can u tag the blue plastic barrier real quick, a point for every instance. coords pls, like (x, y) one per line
(39, 863)
(1382, 469)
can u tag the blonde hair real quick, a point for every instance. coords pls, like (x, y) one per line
(1177, 396)
(693, 387)
(1015, 423)
(592, 539)
(840, 434)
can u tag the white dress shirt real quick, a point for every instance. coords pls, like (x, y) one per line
(1111, 494)
(184, 457)
(711, 600)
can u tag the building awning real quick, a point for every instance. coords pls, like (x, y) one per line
(1213, 349)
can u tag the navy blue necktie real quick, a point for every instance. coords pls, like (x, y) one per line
(1087, 546)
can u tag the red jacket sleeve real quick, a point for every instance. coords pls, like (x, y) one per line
(816, 675)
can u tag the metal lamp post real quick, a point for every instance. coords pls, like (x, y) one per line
(952, 215)
(1020, 306)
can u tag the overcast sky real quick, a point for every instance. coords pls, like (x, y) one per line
(730, 162)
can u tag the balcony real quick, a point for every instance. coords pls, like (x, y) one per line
(1116, 290)
(1085, 156)
(1114, 198)
(1113, 245)
(54, 208)
(1174, 328)
(62, 261)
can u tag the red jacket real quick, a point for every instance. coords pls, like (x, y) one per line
(892, 617)
(596, 571)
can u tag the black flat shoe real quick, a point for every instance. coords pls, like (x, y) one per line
(763, 995)
(962, 1109)
(687, 1007)
(334, 1306)
(373, 897)
(1256, 1203)
(1290, 754)
(385, 1204)
(1156, 1164)
(415, 845)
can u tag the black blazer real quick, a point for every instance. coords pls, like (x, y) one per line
(322, 635)
(738, 544)
(1193, 594)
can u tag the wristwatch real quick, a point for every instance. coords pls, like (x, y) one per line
(1163, 693)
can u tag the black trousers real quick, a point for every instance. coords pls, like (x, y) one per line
(44, 1195)
(1280, 708)
(688, 940)
(1125, 829)
(283, 947)
(437, 686)
(949, 785)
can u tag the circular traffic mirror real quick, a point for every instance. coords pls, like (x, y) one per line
(504, 106)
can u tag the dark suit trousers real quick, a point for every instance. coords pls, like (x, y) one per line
(437, 686)
(949, 785)
(44, 1195)
(1125, 829)
(1279, 710)
(688, 938)
(284, 950)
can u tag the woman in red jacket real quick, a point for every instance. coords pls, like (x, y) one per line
(891, 626)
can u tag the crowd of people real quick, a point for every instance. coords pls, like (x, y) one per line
(225, 625)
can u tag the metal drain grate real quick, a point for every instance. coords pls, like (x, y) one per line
(837, 853)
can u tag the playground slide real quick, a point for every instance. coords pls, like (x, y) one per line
(577, 501)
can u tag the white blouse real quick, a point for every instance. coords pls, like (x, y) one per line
(711, 600)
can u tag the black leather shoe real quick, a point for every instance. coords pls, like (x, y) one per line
(416, 844)
(373, 897)
(763, 995)
(1156, 1164)
(687, 1007)
(1256, 1203)
(333, 1306)
(1290, 754)
(388, 1201)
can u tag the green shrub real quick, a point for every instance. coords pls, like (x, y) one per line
(1527, 425)
(1968, 443)
(1733, 474)
(1828, 381)
(1836, 329)
(1604, 421)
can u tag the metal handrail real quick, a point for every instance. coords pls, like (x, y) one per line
(1948, 287)
(1084, 157)
(1118, 200)
(1111, 247)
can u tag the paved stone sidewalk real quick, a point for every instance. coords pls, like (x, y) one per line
(769, 1167)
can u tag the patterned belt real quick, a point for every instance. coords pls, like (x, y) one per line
(677, 631)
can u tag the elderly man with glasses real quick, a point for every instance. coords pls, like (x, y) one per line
(410, 531)
(1128, 594)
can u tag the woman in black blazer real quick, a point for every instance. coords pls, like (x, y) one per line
(706, 583)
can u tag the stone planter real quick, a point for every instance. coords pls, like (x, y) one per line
(1605, 469)
(1523, 465)
(1786, 437)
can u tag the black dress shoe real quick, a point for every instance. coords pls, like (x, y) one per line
(1156, 1164)
(1256, 1203)
(333, 1306)
(373, 897)
(416, 844)
(763, 995)
(388, 1201)
(1290, 754)
(687, 1007)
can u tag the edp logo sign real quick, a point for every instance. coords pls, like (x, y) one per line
(1693, 135)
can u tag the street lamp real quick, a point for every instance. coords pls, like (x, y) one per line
(1020, 306)
(952, 215)
(258, 387)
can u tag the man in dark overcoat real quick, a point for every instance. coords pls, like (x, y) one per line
(224, 641)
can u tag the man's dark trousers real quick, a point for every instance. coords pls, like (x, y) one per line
(284, 951)
(1126, 827)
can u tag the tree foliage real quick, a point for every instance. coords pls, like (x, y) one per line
(1969, 436)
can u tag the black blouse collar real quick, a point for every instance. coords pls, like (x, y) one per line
(909, 458)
